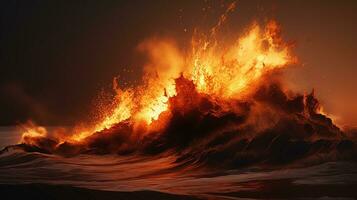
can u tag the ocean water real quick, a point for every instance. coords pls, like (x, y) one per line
(332, 180)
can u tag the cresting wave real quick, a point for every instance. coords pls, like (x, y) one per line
(219, 104)
(270, 128)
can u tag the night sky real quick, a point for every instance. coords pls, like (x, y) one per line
(56, 56)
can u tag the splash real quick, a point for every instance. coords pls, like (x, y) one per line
(233, 71)
(30, 131)
(202, 101)
(203, 112)
(218, 70)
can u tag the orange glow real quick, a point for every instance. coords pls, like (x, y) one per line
(30, 130)
(229, 74)
(219, 70)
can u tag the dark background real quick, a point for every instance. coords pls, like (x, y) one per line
(57, 55)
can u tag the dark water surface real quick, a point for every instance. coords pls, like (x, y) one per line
(332, 180)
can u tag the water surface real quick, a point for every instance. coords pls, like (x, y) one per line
(161, 173)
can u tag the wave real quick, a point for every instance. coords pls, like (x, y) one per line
(270, 128)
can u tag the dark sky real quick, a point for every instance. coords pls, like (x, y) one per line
(57, 55)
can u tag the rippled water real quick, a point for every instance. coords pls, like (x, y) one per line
(131, 173)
